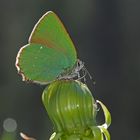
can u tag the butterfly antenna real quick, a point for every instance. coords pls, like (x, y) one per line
(93, 81)
(84, 73)
(82, 77)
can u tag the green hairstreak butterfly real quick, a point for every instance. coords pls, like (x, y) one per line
(50, 53)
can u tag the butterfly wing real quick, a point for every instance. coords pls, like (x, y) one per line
(50, 51)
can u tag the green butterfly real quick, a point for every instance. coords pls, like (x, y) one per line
(50, 53)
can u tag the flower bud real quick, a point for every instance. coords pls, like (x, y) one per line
(70, 106)
(72, 109)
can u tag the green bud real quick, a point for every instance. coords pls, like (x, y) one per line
(70, 105)
(72, 109)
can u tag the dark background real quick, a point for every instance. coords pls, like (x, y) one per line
(106, 35)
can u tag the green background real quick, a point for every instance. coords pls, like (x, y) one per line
(106, 35)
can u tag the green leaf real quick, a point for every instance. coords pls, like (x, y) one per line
(107, 115)
(96, 132)
(105, 132)
(55, 136)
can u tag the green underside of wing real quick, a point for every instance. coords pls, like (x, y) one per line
(50, 32)
(41, 64)
(50, 51)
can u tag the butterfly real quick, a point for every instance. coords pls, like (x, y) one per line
(50, 53)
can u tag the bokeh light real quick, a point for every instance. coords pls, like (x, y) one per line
(10, 125)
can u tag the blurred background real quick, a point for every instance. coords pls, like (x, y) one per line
(106, 35)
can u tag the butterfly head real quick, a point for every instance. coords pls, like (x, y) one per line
(78, 72)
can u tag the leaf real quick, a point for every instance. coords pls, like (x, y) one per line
(105, 132)
(106, 114)
(96, 132)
